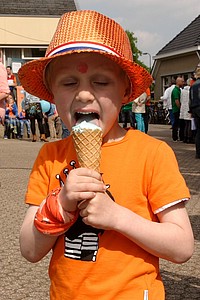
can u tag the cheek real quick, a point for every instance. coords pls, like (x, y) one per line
(63, 108)
(110, 109)
(61, 99)
(63, 102)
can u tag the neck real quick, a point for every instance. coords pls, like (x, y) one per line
(116, 134)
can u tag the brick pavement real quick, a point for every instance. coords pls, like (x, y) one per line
(21, 280)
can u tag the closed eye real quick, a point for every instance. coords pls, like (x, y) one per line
(67, 81)
(70, 83)
(101, 82)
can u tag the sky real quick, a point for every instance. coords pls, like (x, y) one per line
(153, 22)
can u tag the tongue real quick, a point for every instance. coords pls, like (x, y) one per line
(91, 118)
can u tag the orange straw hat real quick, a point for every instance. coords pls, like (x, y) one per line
(85, 31)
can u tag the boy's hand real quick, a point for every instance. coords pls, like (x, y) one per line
(100, 212)
(81, 184)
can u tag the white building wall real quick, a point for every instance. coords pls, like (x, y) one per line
(26, 31)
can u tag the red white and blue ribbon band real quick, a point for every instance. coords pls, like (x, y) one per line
(73, 46)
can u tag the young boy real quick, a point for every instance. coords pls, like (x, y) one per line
(107, 230)
(11, 118)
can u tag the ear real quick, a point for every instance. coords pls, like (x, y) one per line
(127, 93)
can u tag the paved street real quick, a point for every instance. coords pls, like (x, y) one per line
(23, 280)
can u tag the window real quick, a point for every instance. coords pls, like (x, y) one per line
(33, 53)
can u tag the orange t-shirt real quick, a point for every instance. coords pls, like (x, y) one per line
(143, 175)
(10, 113)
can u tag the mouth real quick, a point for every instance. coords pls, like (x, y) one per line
(91, 117)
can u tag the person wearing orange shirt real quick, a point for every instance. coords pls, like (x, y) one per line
(12, 124)
(107, 230)
(12, 81)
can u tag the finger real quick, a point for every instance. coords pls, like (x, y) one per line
(84, 196)
(83, 204)
(83, 213)
(91, 187)
(87, 172)
(85, 220)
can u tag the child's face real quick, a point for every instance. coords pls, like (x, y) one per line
(10, 100)
(88, 87)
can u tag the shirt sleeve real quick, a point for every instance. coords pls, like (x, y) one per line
(167, 184)
(169, 205)
(38, 186)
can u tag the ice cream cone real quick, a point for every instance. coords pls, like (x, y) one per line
(87, 143)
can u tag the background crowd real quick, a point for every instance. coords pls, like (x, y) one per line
(34, 117)
(39, 120)
(181, 103)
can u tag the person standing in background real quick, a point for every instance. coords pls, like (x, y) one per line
(65, 131)
(185, 116)
(176, 105)
(24, 121)
(195, 109)
(33, 110)
(138, 108)
(58, 126)
(127, 115)
(193, 79)
(46, 108)
(51, 117)
(167, 101)
(12, 81)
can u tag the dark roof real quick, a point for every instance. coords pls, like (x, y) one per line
(36, 7)
(187, 38)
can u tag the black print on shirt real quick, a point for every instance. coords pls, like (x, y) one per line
(66, 172)
(81, 240)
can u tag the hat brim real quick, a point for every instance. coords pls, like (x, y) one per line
(31, 75)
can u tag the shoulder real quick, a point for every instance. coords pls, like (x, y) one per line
(151, 153)
(176, 90)
(143, 96)
(195, 84)
(170, 88)
(56, 151)
(143, 140)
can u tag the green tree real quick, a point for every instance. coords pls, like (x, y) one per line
(135, 51)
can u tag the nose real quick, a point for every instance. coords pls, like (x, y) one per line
(85, 96)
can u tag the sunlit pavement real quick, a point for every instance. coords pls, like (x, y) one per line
(23, 280)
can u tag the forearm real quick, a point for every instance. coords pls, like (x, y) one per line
(171, 238)
(33, 244)
(166, 240)
(177, 102)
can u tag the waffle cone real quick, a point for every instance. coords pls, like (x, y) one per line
(88, 148)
